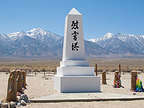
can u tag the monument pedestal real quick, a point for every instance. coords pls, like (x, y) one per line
(75, 71)
(76, 79)
(64, 84)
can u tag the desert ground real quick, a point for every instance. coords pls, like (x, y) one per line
(43, 85)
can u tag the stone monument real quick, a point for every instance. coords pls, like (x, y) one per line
(74, 73)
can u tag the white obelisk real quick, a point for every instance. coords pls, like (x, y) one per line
(74, 73)
(73, 27)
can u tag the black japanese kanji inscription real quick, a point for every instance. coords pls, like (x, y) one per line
(74, 35)
(74, 24)
(75, 46)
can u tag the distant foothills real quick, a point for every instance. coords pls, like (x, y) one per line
(40, 43)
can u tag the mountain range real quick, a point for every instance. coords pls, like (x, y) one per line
(40, 43)
(121, 44)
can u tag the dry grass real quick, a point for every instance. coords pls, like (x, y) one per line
(127, 64)
(39, 65)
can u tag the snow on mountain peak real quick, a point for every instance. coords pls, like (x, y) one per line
(13, 34)
(16, 35)
(36, 31)
(92, 40)
(108, 35)
(4, 37)
(122, 37)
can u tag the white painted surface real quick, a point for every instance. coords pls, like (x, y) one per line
(75, 71)
(67, 63)
(68, 53)
(77, 84)
(99, 96)
(74, 12)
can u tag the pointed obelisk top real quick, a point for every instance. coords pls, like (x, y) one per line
(74, 12)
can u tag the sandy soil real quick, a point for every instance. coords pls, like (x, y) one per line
(107, 104)
(39, 86)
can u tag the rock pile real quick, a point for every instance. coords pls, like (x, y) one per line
(15, 91)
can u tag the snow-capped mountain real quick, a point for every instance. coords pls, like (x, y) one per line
(106, 36)
(121, 43)
(16, 35)
(4, 37)
(38, 42)
(35, 33)
(40, 34)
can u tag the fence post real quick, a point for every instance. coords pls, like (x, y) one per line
(96, 69)
(12, 87)
(120, 68)
(104, 77)
(133, 80)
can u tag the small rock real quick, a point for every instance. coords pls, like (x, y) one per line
(0, 104)
(18, 97)
(18, 104)
(23, 103)
(134, 93)
(4, 105)
(24, 97)
(12, 104)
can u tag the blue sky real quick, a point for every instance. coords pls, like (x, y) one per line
(99, 16)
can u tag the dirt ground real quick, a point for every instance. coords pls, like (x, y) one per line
(39, 86)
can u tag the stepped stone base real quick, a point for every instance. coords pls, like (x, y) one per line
(71, 84)
(75, 71)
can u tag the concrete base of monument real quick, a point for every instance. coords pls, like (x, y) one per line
(67, 63)
(75, 71)
(71, 84)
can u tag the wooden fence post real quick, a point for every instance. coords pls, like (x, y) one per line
(120, 68)
(96, 69)
(12, 87)
(104, 77)
(24, 79)
(19, 81)
(133, 80)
